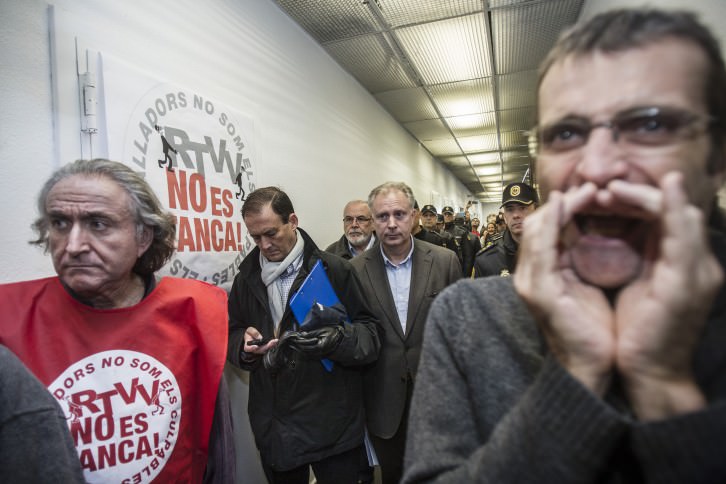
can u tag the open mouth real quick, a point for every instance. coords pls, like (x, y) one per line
(608, 226)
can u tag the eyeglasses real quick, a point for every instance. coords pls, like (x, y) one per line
(648, 127)
(360, 219)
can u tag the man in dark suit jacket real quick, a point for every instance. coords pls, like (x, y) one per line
(303, 414)
(400, 277)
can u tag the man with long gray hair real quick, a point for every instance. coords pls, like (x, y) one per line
(135, 362)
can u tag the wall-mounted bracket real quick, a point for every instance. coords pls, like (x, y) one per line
(89, 103)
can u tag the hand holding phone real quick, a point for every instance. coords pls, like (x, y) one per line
(258, 342)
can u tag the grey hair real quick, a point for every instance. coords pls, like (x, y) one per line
(145, 208)
(392, 186)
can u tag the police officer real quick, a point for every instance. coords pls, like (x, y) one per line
(500, 223)
(427, 230)
(437, 225)
(461, 221)
(440, 226)
(462, 238)
(500, 258)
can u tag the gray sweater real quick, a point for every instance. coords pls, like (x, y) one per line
(490, 405)
(35, 444)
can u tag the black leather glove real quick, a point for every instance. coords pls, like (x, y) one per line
(318, 343)
(277, 357)
(321, 316)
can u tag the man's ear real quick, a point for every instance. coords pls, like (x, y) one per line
(292, 220)
(145, 238)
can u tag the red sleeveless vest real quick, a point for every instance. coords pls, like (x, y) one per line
(138, 385)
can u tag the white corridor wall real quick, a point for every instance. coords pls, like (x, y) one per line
(317, 133)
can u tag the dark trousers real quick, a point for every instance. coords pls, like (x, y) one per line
(366, 472)
(337, 469)
(390, 451)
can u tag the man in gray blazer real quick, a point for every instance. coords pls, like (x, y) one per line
(400, 277)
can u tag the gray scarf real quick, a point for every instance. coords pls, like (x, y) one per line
(271, 271)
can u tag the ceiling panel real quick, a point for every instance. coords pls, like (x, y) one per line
(517, 119)
(513, 139)
(517, 89)
(483, 142)
(472, 124)
(455, 161)
(464, 97)
(442, 147)
(448, 50)
(485, 158)
(489, 171)
(328, 21)
(411, 12)
(459, 75)
(428, 129)
(407, 104)
(524, 32)
(370, 59)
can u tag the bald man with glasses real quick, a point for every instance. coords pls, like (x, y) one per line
(358, 234)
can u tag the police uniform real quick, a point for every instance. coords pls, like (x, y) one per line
(497, 259)
(430, 237)
(487, 239)
(443, 239)
(434, 238)
(500, 258)
(462, 238)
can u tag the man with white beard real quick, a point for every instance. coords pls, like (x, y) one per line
(358, 233)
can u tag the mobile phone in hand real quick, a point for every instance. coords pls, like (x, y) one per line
(258, 342)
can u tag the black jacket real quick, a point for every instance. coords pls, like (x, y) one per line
(437, 239)
(498, 259)
(465, 248)
(340, 248)
(302, 413)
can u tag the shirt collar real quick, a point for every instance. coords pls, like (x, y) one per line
(387, 261)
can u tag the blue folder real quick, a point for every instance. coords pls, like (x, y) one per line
(316, 288)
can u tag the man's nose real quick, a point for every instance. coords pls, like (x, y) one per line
(601, 159)
(77, 240)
